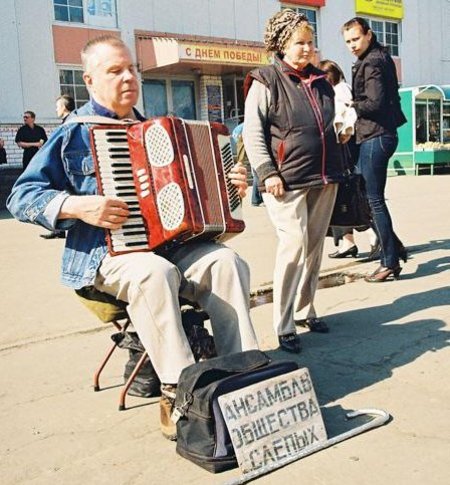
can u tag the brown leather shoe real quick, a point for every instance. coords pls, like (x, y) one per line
(166, 404)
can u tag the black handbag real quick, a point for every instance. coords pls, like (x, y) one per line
(351, 208)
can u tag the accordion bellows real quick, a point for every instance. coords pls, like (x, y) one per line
(173, 174)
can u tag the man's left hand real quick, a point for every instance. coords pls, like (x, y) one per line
(238, 177)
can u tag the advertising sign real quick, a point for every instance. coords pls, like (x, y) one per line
(223, 55)
(381, 8)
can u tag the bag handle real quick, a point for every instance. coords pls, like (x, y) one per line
(346, 155)
(203, 373)
(231, 364)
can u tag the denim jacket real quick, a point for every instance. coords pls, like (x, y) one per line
(62, 167)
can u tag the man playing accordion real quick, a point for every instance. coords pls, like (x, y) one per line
(59, 191)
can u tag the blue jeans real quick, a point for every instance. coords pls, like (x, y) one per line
(372, 165)
(256, 194)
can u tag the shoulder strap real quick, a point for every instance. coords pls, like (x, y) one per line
(100, 120)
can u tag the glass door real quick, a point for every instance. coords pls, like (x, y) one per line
(233, 100)
(154, 93)
(183, 99)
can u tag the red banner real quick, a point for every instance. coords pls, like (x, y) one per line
(306, 3)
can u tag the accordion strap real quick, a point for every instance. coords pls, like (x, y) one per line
(100, 120)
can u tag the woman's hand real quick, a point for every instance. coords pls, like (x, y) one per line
(344, 138)
(274, 185)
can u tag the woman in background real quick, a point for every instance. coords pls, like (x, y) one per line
(345, 128)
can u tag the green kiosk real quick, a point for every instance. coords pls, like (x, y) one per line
(424, 141)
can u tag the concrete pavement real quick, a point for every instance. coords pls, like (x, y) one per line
(388, 348)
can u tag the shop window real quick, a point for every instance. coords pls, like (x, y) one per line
(388, 34)
(446, 122)
(99, 13)
(311, 14)
(155, 98)
(71, 83)
(164, 97)
(428, 121)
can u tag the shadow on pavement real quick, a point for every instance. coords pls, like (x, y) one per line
(429, 268)
(364, 347)
(5, 214)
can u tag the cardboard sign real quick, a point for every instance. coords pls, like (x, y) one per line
(273, 419)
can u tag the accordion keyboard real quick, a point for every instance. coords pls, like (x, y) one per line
(227, 160)
(116, 180)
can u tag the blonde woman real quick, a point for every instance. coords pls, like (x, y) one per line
(291, 144)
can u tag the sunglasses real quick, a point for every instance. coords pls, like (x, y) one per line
(26, 116)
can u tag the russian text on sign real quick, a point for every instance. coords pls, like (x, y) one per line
(273, 419)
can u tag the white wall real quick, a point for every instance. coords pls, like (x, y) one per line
(28, 75)
(36, 60)
(27, 69)
(331, 42)
(234, 19)
(426, 42)
(11, 102)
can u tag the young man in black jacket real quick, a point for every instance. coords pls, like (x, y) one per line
(377, 104)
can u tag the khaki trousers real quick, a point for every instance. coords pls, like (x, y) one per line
(301, 218)
(207, 273)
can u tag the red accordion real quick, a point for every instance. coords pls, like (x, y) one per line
(173, 175)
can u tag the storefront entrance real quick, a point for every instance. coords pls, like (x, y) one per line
(233, 100)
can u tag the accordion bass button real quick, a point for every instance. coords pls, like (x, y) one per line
(145, 193)
(145, 186)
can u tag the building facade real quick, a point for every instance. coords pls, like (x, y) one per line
(192, 56)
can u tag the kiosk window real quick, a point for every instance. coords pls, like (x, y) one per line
(446, 122)
(428, 120)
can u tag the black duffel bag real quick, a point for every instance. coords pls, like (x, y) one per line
(202, 434)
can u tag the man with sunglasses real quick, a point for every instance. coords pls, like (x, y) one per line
(30, 137)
